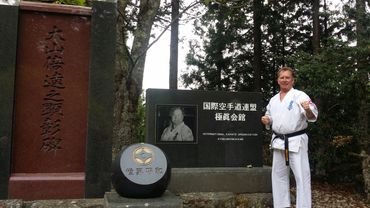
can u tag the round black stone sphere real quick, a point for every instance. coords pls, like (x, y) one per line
(141, 171)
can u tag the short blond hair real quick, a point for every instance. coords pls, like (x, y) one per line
(286, 68)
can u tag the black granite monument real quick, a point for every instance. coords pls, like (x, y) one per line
(225, 127)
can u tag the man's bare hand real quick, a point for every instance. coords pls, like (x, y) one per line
(265, 120)
(305, 105)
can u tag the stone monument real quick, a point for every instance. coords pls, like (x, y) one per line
(141, 171)
(55, 137)
(213, 139)
(223, 127)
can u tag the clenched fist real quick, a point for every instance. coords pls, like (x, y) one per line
(265, 120)
(305, 105)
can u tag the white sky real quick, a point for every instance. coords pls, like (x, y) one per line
(156, 72)
(157, 64)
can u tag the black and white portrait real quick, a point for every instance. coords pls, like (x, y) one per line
(176, 123)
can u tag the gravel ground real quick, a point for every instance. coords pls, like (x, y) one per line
(329, 196)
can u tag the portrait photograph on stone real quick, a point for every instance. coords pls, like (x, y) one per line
(176, 123)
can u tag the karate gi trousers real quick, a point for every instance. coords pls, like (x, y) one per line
(300, 167)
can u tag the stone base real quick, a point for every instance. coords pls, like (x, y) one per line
(15, 203)
(167, 200)
(62, 203)
(234, 180)
(255, 200)
(209, 199)
(226, 200)
(36, 186)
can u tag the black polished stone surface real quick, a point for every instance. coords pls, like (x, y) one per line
(101, 98)
(226, 127)
(8, 45)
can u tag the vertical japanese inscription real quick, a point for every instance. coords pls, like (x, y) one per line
(52, 103)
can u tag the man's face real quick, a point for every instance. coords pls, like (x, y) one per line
(285, 80)
(177, 117)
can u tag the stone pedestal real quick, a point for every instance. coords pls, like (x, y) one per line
(167, 200)
(141, 170)
(235, 180)
(209, 199)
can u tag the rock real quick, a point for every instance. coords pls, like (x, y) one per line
(255, 200)
(66, 203)
(16, 203)
(208, 200)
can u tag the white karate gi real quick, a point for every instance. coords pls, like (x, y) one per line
(288, 116)
(179, 133)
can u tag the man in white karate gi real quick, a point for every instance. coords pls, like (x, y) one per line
(288, 113)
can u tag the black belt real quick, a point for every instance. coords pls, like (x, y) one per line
(285, 137)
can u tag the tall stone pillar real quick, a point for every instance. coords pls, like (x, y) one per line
(58, 115)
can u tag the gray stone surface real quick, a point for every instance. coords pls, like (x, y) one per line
(11, 203)
(235, 180)
(167, 200)
(255, 200)
(62, 203)
(66, 203)
(209, 199)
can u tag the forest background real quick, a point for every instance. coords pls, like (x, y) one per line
(240, 46)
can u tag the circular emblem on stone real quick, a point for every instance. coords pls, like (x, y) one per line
(143, 155)
(141, 170)
(143, 163)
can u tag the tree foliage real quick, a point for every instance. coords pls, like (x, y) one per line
(224, 60)
(332, 78)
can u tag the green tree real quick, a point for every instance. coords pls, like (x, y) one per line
(362, 58)
(232, 51)
(330, 78)
(223, 60)
(339, 78)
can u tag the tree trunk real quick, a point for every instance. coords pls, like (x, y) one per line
(316, 27)
(129, 73)
(174, 43)
(257, 57)
(361, 90)
(325, 36)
